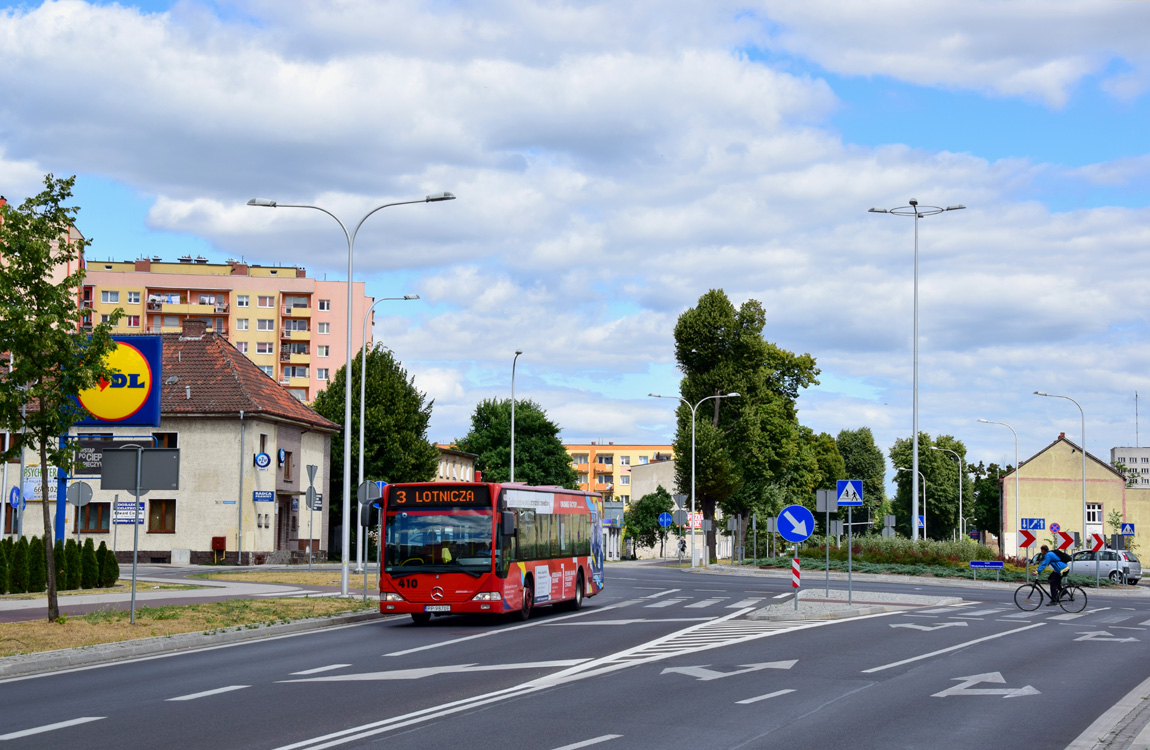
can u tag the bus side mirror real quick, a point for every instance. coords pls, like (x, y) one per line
(507, 522)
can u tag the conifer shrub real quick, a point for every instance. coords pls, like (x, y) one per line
(72, 552)
(61, 561)
(18, 570)
(109, 568)
(89, 568)
(3, 569)
(37, 566)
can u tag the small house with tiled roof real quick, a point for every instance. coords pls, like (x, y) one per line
(221, 411)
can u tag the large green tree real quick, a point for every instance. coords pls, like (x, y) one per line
(540, 457)
(748, 449)
(52, 360)
(863, 459)
(396, 415)
(641, 521)
(941, 473)
(987, 501)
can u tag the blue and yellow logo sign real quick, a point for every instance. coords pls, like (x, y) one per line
(132, 394)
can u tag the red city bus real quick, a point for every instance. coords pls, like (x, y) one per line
(489, 548)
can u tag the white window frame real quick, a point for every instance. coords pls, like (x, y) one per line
(321, 373)
(265, 324)
(241, 324)
(323, 328)
(324, 305)
(242, 300)
(260, 300)
(133, 298)
(265, 347)
(322, 350)
(242, 347)
(109, 298)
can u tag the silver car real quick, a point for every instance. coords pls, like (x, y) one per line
(1113, 564)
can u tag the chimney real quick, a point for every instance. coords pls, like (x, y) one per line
(1062, 436)
(3, 201)
(193, 328)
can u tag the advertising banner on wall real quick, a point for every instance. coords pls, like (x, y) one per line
(131, 395)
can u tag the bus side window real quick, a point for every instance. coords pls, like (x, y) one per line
(554, 536)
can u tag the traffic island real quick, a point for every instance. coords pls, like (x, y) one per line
(819, 605)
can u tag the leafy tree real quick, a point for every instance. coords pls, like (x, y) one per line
(3, 569)
(540, 457)
(987, 496)
(641, 520)
(18, 570)
(89, 568)
(863, 459)
(75, 572)
(396, 415)
(37, 574)
(51, 360)
(750, 448)
(941, 473)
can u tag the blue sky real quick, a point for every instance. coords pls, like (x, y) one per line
(614, 161)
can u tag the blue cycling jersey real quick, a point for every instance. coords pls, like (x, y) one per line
(1052, 560)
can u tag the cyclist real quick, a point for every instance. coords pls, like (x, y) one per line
(1055, 579)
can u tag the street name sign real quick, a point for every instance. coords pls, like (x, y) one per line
(986, 564)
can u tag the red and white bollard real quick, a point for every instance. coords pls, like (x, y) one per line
(795, 574)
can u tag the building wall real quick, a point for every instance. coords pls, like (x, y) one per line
(606, 467)
(229, 283)
(1137, 462)
(1050, 487)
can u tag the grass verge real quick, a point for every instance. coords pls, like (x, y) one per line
(111, 625)
(293, 578)
(123, 586)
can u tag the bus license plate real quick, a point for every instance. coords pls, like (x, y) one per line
(437, 608)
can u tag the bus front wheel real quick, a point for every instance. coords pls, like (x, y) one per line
(528, 600)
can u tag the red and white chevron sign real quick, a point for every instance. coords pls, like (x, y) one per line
(795, 573)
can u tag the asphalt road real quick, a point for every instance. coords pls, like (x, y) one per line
(661, 659)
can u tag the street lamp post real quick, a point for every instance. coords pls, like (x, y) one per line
(693, 410)
(1083, 414)
(961, 475)
(513, 361)
(1016, 520)
(350, 237)
(362, 391)
(917, 212)
(914, 518)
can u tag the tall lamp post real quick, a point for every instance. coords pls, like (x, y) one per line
(917, 212)
(362, 391)
(1083, 413)
(1016, 520)
(914, 518)
(693, 410)
(513, 361)
(961, 475)
(350, 237)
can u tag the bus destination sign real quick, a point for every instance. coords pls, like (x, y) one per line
(440, 496)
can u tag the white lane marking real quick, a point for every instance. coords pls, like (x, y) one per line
(661, 593)
(928, 628)
(49, 727)
(782, 596)
(317, 670)
(758, 698)
(704, 603)
(421, 672)
(745, 603)
(1145, 623)
(628, 622)
(704, 674)
(511, 629)
(1108, 721)
(588, 743)
(206, 693)
(664, 603)
(981, 612)
(951, 648)
(1067, 616)
(712, 591)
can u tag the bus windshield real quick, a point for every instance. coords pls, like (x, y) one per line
(437, 541)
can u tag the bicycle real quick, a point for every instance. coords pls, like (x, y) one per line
(1030, 596)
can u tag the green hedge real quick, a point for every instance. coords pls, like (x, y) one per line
(900, 551)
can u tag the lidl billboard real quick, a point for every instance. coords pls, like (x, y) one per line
(131, 396)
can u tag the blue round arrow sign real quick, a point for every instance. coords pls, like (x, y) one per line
(795, 523)
(664, 519)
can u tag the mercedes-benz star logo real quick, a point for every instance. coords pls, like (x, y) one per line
(437, 593)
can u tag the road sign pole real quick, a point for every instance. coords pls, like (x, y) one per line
(850, 552)
(136, 534)
(827, 535)
(796, 571)
(310, 535)
(755, 529)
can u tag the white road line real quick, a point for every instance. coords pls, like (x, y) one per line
(664, 603)
(704, 603)
(782, 596)
(981, 612)
(1067, 616)
(49, 727)
(951, 648)
(745, 603)
(206, 693)
(1108, 721)
(629, 622)
(588, 743)
(511, 629)
(756, 699)
(661, 593)
(317, 670)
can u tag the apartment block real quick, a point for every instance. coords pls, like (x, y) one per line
(1137, 463)
(291, 326)
(606, 467)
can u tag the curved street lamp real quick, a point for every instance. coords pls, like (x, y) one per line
(1083, 414)
(961, 474)
(513, 361)
(350, 237)
(362, 390)
(917, 212)
(693, 409)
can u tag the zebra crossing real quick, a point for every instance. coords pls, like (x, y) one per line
(676, 597)
(1103, 616)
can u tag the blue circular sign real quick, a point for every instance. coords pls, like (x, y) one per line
(664, 519)
(14, 497)
(795, 523)
(263, 460)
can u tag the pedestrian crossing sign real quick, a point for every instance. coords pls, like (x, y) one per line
(1127, 529)
(850, 492)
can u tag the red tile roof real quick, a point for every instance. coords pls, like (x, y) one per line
(204, 374)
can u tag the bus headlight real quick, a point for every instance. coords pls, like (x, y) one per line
(392, 597)
(487, 596)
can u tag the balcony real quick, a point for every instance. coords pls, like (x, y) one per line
(297, 312)
(295, 358)
(296, 335)
(221, 308)
(86, 304)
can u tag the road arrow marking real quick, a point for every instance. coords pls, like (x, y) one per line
(702, 673)
(928, 628)
(965, 683)
(1102, 635)
(799, 526)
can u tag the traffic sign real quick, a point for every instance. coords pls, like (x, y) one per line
(665, 519)
(1067, 539)
(1055, 528)
(679, 517)
(1036, 524)
(922, 522)
(796, 523)
(1027, 539)
(313, 499)
(368, 492)
(16, 500)
(680, 500)
(80, 494)
(1127, 529)
(986, 564)
(1099, 542)
(850, 492)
